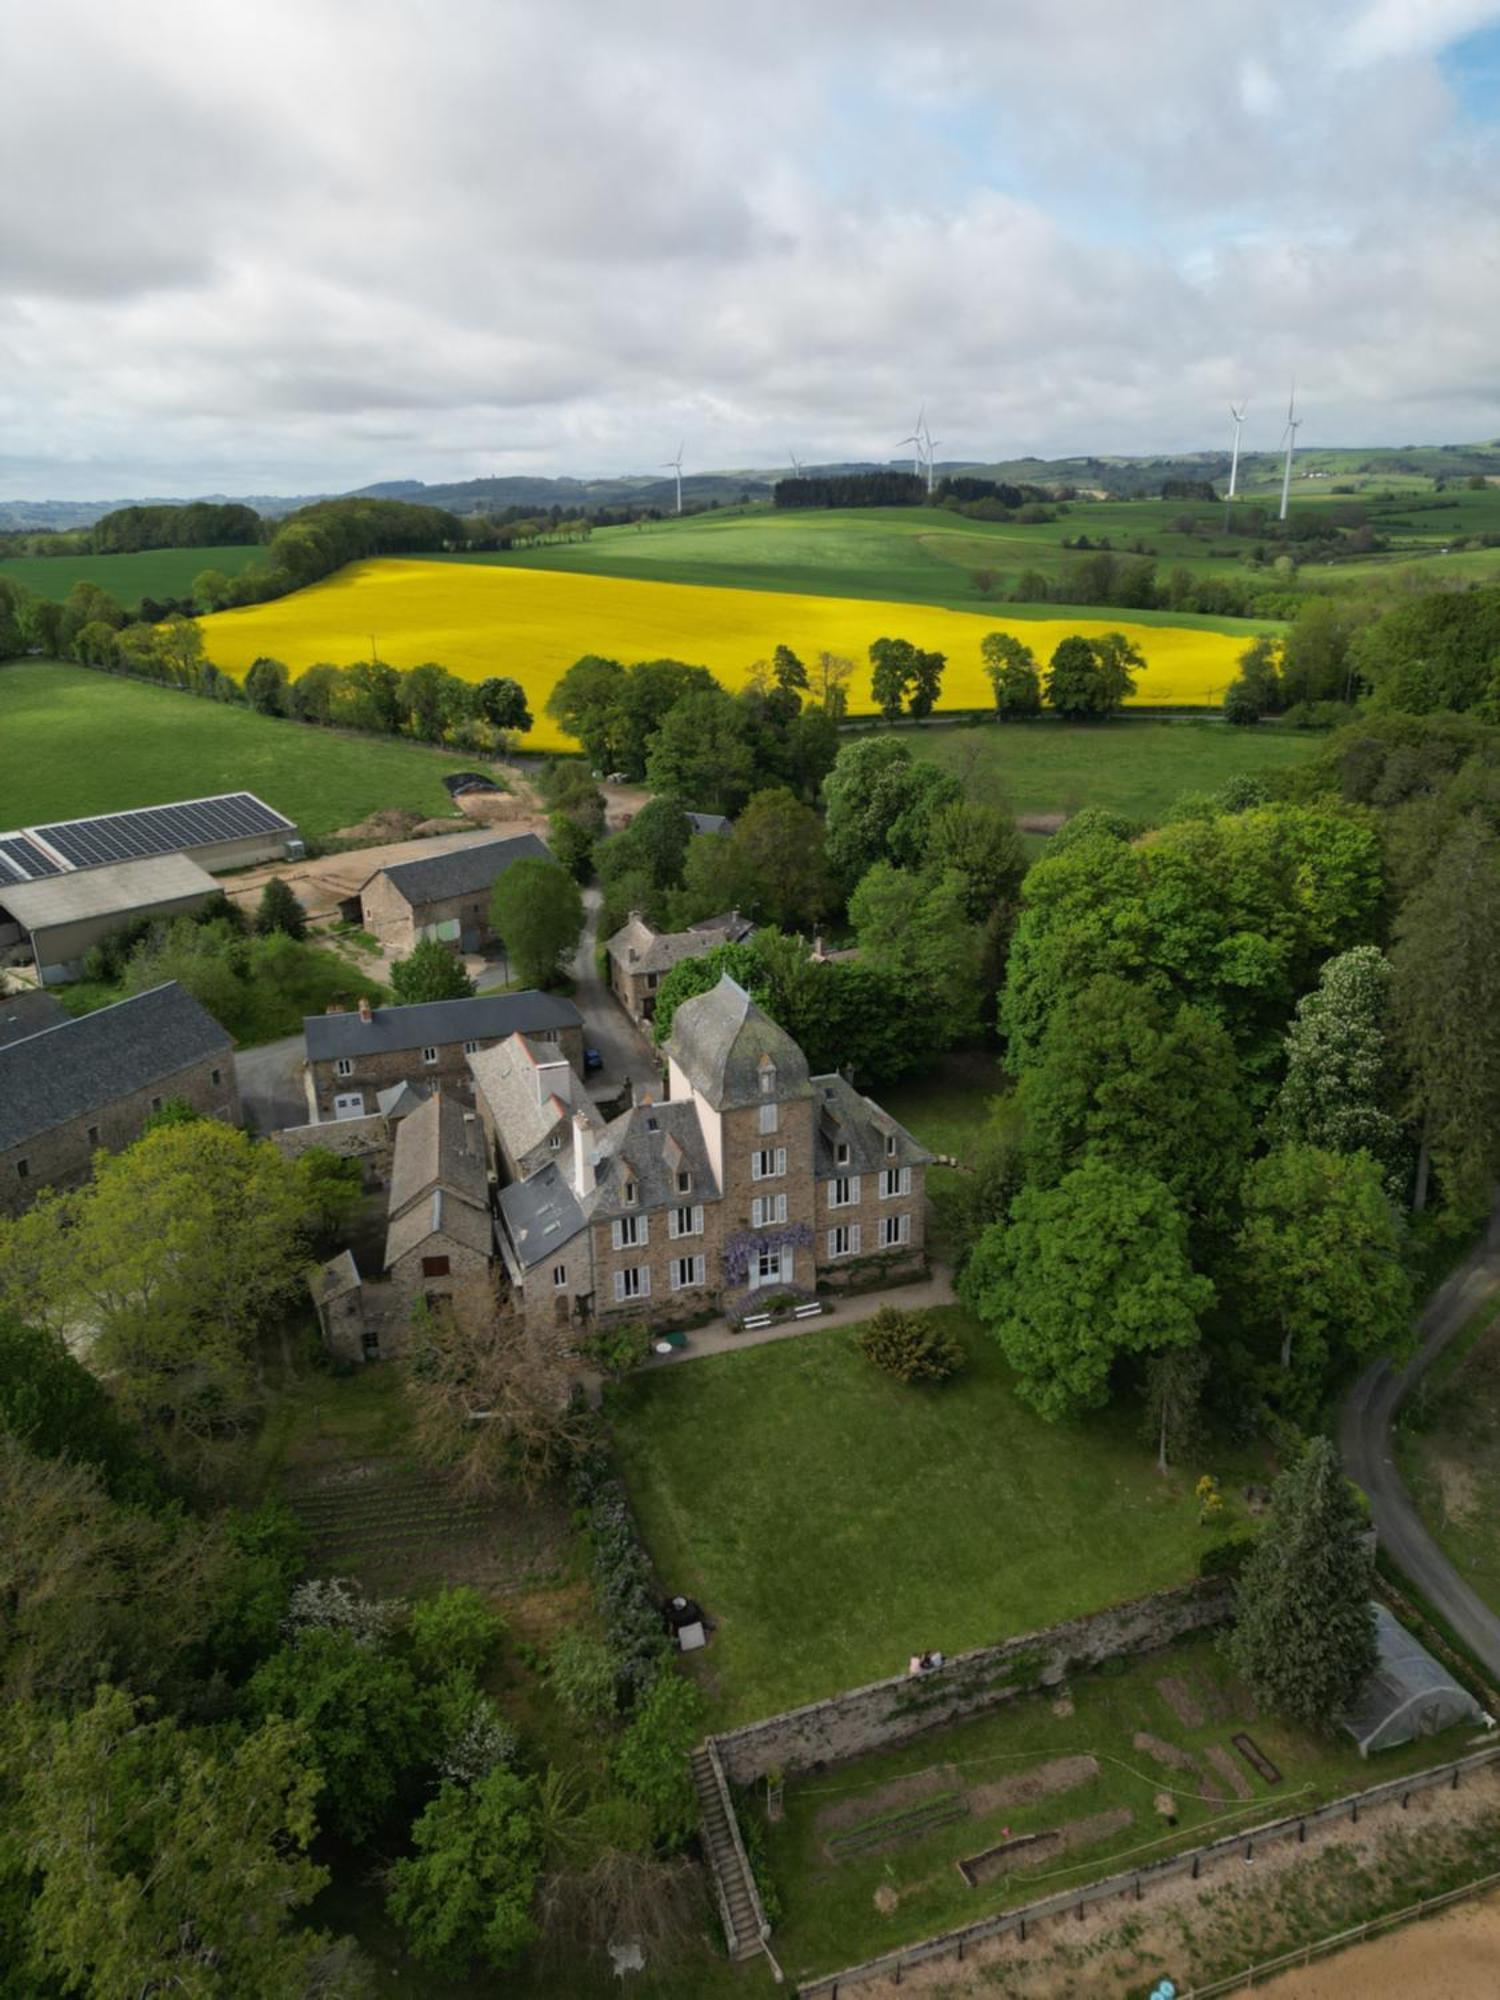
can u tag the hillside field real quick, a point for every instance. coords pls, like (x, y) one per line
(81, 742)
(479, 619)
(931, 556)
(158, 573)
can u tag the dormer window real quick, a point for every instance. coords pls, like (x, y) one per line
(890, 1145)
(767, 1076)
(684, 1181)
(628, 1193)
(841, 1153)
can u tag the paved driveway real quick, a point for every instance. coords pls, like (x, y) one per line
(271, 1084)
(1369, 1454)
(606, 1025)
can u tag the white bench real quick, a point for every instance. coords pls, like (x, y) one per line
(812, 1310)
(755, 1322)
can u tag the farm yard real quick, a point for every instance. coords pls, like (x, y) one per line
(479, 620)
(77, 741)
(1123, 1765)
(900, 1517)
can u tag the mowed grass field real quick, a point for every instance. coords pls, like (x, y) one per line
(832, 1521)
(81, 742)
(1134, 766)
(159, 573)
(479, 620)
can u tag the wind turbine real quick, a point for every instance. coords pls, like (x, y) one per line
(1234, 457)
(675, 465)
(930, 444)
(1293, 423)
(796, 466)
(916, 439)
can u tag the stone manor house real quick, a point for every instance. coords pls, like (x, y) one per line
(751, 1176)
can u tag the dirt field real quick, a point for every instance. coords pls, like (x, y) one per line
(1452, 1957)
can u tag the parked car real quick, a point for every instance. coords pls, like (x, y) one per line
(592, 1060)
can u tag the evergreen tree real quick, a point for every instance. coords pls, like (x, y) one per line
(279, 910)
(1342, 1085)
(1304, 1631)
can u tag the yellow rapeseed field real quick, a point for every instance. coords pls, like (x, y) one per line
(477, 620)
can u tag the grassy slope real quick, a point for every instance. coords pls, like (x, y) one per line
(80, 742)
(930, 557)
(830, 1918)
(158, 573)
(1446, 1444)
(833, 1521)
(1135, 767)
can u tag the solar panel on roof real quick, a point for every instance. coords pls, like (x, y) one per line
(127, 836)
(23, 861)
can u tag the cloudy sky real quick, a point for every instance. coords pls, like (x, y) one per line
(306, 244)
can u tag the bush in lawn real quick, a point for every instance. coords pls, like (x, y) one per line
(454, 1628)
(910, 1346)
(652, 1763)
(581, 1670)
(616, 1350)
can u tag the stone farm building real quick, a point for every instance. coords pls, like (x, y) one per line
(353, 1057)
(640, 956)
(444, 895)
(751, 1177)
(68, 1089)
(66, 886)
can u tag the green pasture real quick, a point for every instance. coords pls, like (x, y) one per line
(833, 1521)
(77, 741)
(929, 556)
(158, 573)
(826, 1882)
(1138, 768)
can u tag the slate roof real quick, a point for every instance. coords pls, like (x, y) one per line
(27, 1013)
(122, 836)
(335, 1279)
(844, 1116)
(114, 890)
(721, 1041)
(461, 871)
(80, 1065)
(659, 951)
(710, 823)
(439, 1184)
(527, 1107)
(486, 1017)
(539, 1216)
(648, 1144)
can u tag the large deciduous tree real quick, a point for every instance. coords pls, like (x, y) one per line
(881, 802)
(1342, 1089)
(917, 929)
(1319, 1268)
(1087, 1271)
(1304, 1627)
(701, 752)
(429, 972)
(1011, 667)
(536, 909)
(467, 1890)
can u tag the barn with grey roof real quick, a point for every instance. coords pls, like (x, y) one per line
(95, 1081)
(443, 895)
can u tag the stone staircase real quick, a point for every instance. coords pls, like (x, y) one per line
(739, 1905)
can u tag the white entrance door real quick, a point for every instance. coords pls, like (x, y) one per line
(349, 1104)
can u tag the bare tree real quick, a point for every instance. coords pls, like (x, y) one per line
(491, 1406)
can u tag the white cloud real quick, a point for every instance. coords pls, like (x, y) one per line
(308, 245)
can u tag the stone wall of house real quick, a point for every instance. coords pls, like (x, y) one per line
(370, 1140)
(398, 924)
(380, 1069)
(743, 1138)
(558, 1315)
(868, 1214)
(893, 1711)
(635, 991)
(64, 1156)
(468, 1286)
(663, 1307)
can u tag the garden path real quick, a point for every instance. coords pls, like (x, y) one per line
(720, 1338)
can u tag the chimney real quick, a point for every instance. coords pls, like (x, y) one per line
(583, 1156)
(364, 1007)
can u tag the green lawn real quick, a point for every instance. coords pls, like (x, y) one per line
(159, 573)
(833, 1521)
(829, 1915)
(1448, 1446)
(79, 742)
(1135, 767)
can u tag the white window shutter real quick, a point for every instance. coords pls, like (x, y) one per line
(781, 1159)
(788, 1266)
(645, 1235)
(906, 1180)
(906, 1229)
(757, 1213)
(672, 1229)
(700, 1270)
(833, 1242)
(854, 1240)
(698, 1218)
(617, 1242)
(645, 1270)
(619, 1286)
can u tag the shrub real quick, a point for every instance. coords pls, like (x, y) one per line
(454, 1628)
(910, 1346)
(615, 1350)
(652, 1762)
(582, 1672)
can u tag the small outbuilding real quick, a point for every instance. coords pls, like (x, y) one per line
(59, 918)
(1409, 1695)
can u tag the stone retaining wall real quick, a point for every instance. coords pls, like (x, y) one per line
(893, 1711)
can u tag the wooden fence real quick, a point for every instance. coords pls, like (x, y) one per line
(1134, 1883)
